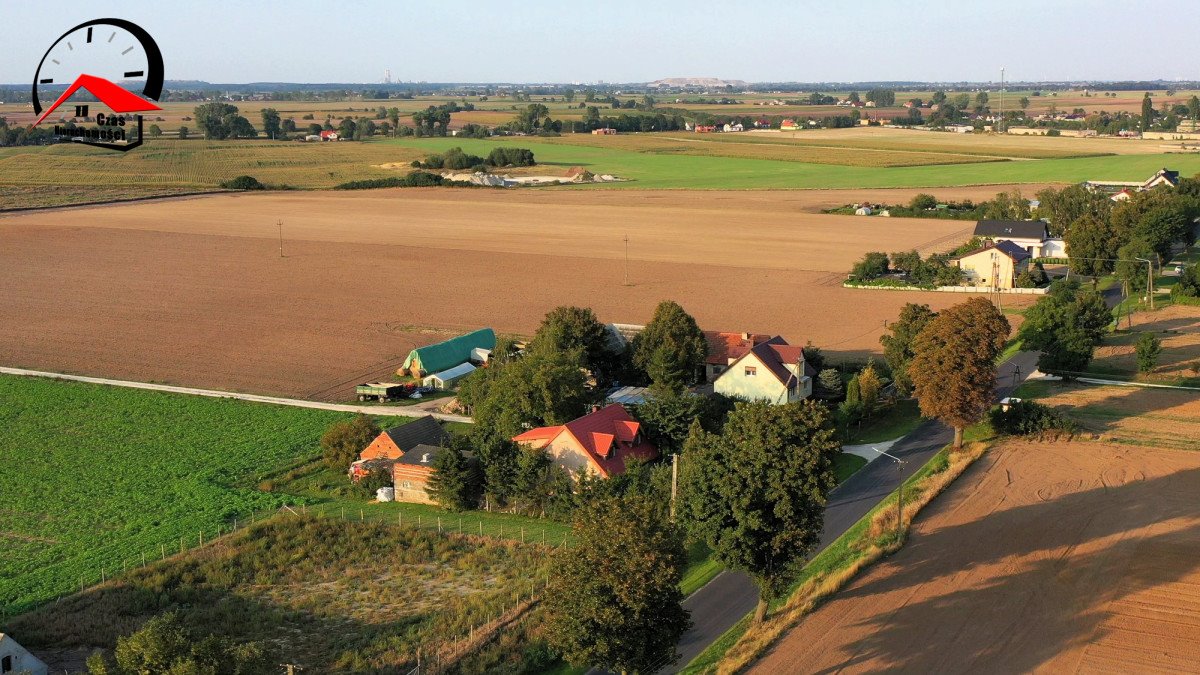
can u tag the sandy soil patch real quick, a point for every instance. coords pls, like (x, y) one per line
(194, 292)
(1066, 557)
(1168, 418)
(1177, 326)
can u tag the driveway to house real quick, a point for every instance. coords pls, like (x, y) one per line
(731, 595)
(381, 410)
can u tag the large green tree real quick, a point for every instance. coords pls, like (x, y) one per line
(671, 349)
(566, 328)
(271, 123)
(1147, 112)
(1092, 245)
(1065, 325)
(756, 493)
(953, 368)
(221, 120)
(613, 600)
(1064, 207)
(898, 347)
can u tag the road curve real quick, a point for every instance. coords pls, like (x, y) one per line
(388, 411)
(731, 595)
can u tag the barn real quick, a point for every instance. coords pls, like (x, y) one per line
(435, 358)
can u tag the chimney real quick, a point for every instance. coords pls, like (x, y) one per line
(425, 458)
(595, 407)
(746, 337)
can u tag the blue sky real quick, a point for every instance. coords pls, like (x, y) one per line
(629, 41)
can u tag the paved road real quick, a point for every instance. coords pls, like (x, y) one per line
(731, 595)
(389, 411)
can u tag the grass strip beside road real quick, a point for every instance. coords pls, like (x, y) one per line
(873, 537)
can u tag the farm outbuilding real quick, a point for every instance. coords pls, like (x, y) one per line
(448, 378)
(445, 355)
(16, 659)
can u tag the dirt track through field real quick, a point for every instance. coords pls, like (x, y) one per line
(193, 291)
(1064, 557)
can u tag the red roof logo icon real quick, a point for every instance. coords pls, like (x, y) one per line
(114, 96)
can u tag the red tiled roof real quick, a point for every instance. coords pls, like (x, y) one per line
(607, 436)
(776, 354)
(725, 346)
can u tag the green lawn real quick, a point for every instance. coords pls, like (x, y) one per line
(894, 422)
(846, 465)
(664, 171)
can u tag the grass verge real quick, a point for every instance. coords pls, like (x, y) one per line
(870, 539)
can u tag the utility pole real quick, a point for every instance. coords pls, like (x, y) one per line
(899, 490)
(627, 259)
(280, 223)
(674, 482)
(1149, 280)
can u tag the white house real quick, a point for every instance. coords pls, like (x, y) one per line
(1030, 235)
(771, 371)
(16, 659)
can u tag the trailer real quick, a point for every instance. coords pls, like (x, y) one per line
(383, 391)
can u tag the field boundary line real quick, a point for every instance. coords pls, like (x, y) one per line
(253, 398)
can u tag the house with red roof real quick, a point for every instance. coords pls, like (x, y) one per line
(771, 371)
(725, 348)
(599, 443)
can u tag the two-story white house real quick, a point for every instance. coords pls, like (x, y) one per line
(1030, 235)
(771, 371)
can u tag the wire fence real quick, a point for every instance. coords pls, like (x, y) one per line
(118, 562)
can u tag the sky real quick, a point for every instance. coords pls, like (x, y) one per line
(630, 41)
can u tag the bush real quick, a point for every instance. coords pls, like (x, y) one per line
(922, 201)
(1025, 418)
(1148, 349)
(414, 179)
(243, 183)
(343, 441)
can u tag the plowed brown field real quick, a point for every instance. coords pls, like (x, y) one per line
(193, 291)
(1057, 558)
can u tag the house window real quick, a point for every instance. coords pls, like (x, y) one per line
(751, 371)
(407, 485)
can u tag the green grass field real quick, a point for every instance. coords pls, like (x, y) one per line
(674, 171)
(64, 174)
(99, 475)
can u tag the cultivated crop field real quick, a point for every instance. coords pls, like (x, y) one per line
(101, 475)
(1154, 417)
(194, 291)
(1178, 329)
(331, 595)
(172, 164)
(1055, 557)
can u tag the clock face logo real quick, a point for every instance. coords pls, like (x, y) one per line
(118, 63)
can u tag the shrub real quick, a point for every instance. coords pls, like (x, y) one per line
(1148, 349)
(243, 183)
(872, 266)
(1025, 418)
(414, 179)
(922, 201)
(342, 441)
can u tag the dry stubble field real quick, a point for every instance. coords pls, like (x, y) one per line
(193, 291)
(1062, 557)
